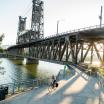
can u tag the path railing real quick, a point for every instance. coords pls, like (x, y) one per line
(22, 86)
(100, 80)
(17, 87)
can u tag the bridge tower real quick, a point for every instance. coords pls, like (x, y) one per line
(21, 27)
(37, 23)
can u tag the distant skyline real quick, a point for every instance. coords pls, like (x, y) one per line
(71, 14)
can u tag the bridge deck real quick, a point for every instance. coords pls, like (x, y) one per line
(88, 33)
(78, 89)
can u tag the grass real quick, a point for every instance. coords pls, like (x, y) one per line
(101, 71)
(97, 69)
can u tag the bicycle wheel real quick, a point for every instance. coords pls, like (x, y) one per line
(50, 88)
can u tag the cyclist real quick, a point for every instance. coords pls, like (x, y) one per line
(53, 81)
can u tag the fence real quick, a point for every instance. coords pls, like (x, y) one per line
(100, 80)
(21, 86)
(17, 87)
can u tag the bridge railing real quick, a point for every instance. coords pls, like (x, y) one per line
(77, 30)
(100, 80)
(65, 33)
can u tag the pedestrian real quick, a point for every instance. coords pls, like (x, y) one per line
(53, 81)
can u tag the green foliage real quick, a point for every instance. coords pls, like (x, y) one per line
(97, 69)
(1, 50)
(101, 71)
(1, 37)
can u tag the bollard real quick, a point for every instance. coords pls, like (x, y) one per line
(13, 88)
(2, 94)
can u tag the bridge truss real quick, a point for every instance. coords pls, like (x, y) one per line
(21, 28)
(37, 24)
(76, 46)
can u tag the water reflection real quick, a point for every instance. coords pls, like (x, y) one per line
(17, 72)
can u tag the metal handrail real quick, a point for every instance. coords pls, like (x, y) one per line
(21, 86)
(77, 30)
(72, 31)
(100, 80)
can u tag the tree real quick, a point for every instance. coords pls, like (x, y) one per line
(1, 37)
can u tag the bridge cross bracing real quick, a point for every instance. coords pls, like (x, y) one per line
(75, 46)
(37, 24)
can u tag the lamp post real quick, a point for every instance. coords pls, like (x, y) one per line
(58, 26)
(100, 17)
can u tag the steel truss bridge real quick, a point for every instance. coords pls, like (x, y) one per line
(77, 46)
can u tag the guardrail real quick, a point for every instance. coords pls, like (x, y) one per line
(77, 30)
(17, 87)
(69, 32)
(100, 80)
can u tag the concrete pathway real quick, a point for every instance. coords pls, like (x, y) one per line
(77, 89)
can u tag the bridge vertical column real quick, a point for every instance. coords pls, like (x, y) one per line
(82, 52)
(72, 46)
(91, 54)
(29, 52)
(37, 22)
(76, 50)
(21, 28)
(67, 42)
(98, 54)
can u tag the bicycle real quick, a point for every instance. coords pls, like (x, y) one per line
(52, 86)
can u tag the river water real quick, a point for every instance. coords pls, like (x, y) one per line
(11, 71)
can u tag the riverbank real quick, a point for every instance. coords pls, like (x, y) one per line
(77, 89)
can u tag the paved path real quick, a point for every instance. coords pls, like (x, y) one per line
(78, 89)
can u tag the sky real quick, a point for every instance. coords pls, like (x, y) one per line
(71, 14)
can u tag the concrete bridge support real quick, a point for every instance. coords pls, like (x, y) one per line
(32, 61)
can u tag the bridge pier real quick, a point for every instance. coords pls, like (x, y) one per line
(32, 61)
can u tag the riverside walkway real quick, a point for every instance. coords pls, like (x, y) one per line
(73, 89)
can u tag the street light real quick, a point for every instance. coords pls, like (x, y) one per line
(58, 26)
(100, 17)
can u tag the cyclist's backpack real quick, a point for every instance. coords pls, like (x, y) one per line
(56, 84)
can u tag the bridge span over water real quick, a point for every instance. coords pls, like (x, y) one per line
(76, 46)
